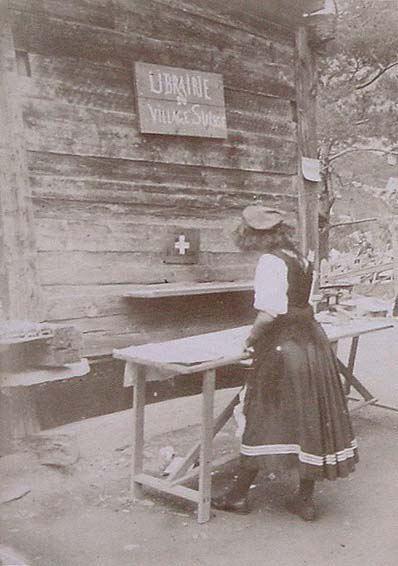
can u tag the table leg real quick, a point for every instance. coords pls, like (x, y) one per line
(351, 362)
(356, 384)
(348, 373)
(193, 455)
(209, 380)
(137, 455)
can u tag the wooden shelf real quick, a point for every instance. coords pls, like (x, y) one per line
(183, 289)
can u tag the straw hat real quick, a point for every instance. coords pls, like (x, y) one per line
(262, 217)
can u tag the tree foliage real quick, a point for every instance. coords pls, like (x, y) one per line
(359, 76)
(358, 84)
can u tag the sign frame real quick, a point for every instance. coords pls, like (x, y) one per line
(175, 238)
(179, 102)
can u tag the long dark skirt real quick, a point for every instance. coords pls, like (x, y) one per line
(295, 405)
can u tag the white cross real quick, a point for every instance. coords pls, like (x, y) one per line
(181, 245)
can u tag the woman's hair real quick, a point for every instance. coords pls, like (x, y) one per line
(250, 239)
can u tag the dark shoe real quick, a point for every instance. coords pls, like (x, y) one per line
(222, 503)
(304, 508)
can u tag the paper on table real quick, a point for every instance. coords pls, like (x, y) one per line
(194, 350)
(179, 354)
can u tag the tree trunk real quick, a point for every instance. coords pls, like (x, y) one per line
(324, 247)
(326, 202)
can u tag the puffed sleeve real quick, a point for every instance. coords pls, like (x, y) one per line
(270, 285)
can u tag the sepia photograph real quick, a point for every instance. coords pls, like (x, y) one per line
(198, 282)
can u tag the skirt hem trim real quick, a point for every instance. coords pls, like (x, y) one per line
(305, 457)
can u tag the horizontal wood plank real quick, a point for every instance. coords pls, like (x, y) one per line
(96, 13)
(137, 235)
(246, 20)
(245, 112)
(49, 36)
(78, 81)
(89, 211)
(80, 131)
(119, 323)
(84, 83)
(164, 487)
(142, 173)
(125, 267)
(249, 112)
(130, 199)
(102, 301)
(99, 341)
(66, 306)
(177, 13)
(180, 315)
(108, 320)
(186, 289)
(286, 14)
(161, 22)
(100, 344)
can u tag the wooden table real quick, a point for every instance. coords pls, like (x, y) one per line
(203, 354)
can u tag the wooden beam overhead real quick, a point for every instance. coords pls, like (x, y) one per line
(285, 12)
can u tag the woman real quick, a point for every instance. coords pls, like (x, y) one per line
(294, 405)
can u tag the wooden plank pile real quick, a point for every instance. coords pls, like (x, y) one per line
(39, 344)
(31, 354)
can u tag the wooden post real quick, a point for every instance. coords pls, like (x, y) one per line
(19, 288)
(137, 454)
(209, 380)
(306, 83)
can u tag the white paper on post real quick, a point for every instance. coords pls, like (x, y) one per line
(311, 169)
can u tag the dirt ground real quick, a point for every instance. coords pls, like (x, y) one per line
(81, 515)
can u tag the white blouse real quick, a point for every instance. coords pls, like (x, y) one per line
(270, 285)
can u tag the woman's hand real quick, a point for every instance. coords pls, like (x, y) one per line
(263, 320)
(247, 352)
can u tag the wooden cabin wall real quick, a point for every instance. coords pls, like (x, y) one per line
(103, 192)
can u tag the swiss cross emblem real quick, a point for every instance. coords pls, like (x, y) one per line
(182, 245)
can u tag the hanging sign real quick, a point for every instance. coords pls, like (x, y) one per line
(180, 102)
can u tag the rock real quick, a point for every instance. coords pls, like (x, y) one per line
(166, 454)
